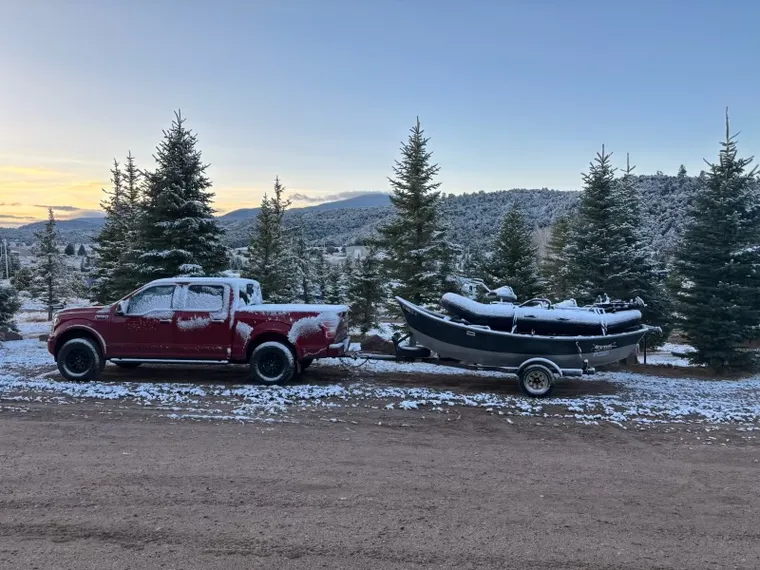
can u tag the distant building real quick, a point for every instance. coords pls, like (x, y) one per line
(356, 251)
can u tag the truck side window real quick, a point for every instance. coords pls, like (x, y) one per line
(204, 298)
(158, 298)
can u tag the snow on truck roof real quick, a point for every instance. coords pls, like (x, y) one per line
(229, 280)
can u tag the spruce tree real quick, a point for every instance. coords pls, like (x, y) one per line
(82, 251)
(70, 250)
(607, 253)
(718, 292)
(334, 286)
(365, 292)
(270, 259)
(303, 266)
(9, 306)
(50, 282)
(414, 239)
(126, 275)
(554, 266)
(177, 227)
(514, 259)
(321, 274)
(110, 242)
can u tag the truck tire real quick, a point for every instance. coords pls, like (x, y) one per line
(272, 364)
(80, 360)
(536, 381)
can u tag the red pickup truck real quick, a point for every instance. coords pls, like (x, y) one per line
(198, 321)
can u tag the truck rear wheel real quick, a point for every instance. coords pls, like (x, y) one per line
(272, 364)
(80, 360)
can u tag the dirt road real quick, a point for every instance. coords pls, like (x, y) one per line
(85, 489)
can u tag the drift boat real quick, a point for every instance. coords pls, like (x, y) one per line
(483, 343)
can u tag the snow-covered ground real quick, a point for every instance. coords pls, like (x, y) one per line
(27, 373)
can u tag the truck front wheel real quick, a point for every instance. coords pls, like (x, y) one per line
(272, 363)
(79, 360)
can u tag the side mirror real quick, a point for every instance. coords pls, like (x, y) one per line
(121, 308)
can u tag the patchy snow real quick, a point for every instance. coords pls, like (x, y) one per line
(27, 373)
(308, 326)
(194, 323)
(383, 330)
(243, 330)
(287, 308)
(33, 324)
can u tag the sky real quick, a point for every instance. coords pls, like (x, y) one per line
(513, 94)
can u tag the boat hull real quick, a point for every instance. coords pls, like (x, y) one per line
(486, 347)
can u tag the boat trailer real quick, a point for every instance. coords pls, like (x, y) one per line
(536, 375)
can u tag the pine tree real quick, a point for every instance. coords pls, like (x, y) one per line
(334, 286)
(270, 260)
(321, 274)
(70, 250)
(365, 293)
(126, 275)
(50, 283)
(82, 251)
(177, 227)
(110, 242)
(9, 306)
(514, 259)
(414, 239)
(304, 272)
(554, 267)
(718, 296)
(644, 274)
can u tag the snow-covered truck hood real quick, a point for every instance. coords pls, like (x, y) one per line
(80, 312)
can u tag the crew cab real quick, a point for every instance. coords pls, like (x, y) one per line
(198, 321)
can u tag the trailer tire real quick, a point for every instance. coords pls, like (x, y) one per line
(273, 364)
(79, 360)
(536, 381)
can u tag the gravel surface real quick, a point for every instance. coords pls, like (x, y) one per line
(88, 487)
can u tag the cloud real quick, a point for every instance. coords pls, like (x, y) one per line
(10, 204)
(12, 217)
(60, 208)
(328, 197)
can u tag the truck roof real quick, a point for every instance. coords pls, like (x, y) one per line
(229, 280)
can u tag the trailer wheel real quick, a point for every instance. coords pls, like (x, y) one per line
(272, 364)
(536, 381)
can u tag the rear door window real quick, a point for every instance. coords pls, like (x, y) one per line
(205, 298)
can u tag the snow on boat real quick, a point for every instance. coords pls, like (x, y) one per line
(482, 343)
(539, 317)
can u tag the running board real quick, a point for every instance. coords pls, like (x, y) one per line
(169, 361)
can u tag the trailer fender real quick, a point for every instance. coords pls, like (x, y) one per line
(543, 361)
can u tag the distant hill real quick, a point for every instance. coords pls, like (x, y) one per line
(370, 200)
(473, 219)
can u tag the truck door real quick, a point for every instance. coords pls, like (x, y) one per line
(146, 329)
(202, 328)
